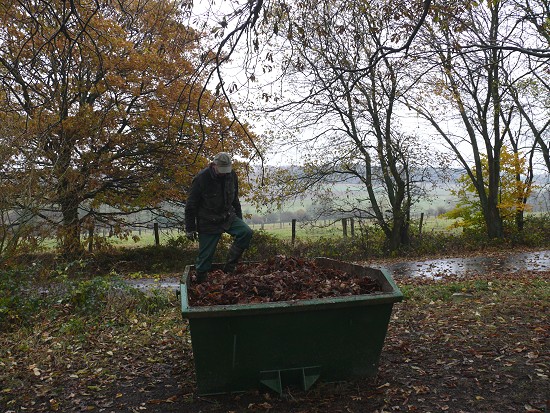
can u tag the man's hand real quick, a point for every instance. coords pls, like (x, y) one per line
(192, 235)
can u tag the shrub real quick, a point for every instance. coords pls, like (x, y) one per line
(101, 296)
(181, 241)
(145, 259)
(19, 301)
(266, 245)
(23, 302)
(535, 232)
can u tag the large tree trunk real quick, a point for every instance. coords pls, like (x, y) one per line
(493, 148)
(398, 235)
(493, 220)
(70, 231)
(520, 220)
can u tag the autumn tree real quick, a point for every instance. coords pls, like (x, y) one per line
(530, 96)
(466, 97)
(526, 83)
(512, 200)
(107, 108)
(242, 22)
(530, 89)
(338, 88)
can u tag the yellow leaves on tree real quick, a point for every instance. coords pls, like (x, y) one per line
(108, 108)
(513, 195)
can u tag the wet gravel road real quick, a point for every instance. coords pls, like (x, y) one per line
(501, 262)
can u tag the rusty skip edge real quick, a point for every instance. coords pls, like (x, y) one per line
(390, 294)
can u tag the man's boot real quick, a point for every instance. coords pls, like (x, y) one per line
(201, 276)
(233, 257)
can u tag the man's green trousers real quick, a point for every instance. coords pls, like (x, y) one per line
(208, 242)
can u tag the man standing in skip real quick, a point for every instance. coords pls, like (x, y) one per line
(212, 208)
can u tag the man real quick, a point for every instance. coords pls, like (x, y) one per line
(213, 208)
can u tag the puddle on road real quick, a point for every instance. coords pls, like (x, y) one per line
(150, 284)
(529, 261)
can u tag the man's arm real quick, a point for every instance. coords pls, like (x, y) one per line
(191, 206)
(236, 203)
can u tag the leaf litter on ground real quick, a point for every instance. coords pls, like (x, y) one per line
(488, 353)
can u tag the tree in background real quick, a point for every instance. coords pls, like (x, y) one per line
(105, 107)
(529, 91)
(475, 48)
(512, 199)
(338, 86)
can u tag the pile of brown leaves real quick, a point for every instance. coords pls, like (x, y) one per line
(278, 279)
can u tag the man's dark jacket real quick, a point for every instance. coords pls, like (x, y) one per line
(213, 202)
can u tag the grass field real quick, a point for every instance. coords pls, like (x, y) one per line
(282, 230)
(435, 201)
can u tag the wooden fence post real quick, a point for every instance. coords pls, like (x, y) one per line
(352, 227)
(90, 239)
(421, 222)
(156, 229)
(345, 227)
(293, 231)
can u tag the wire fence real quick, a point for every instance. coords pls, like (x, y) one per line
(155, 234)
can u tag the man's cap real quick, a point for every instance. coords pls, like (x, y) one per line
(223, 162)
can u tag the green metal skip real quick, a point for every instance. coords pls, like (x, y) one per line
(246, 346)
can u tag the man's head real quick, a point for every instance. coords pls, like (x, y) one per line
(222, 161)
